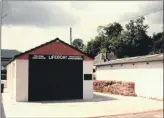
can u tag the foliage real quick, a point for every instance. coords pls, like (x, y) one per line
(158, 41)
(94, 46)
(112, 29)
(118, 45)
(128, 42)
(78, 43)
(138, 42)
(84, 49)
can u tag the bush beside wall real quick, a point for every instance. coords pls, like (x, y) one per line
(114, 87)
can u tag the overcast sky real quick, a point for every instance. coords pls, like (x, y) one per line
(29, 24)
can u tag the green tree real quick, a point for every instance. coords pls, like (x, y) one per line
(93, 47)
(96, 45)
(111, 30)
(138, 42)
(78, 43)
(105, 33)
(158, 43)
(128, 42)
(84, 49)
(118, 45)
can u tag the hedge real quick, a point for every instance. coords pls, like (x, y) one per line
(114, 87)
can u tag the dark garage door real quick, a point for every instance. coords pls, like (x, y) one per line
(54, 77)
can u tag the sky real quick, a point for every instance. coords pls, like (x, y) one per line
(28, 24)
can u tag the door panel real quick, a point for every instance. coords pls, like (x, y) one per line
(55, 79)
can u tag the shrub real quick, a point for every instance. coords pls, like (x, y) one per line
(114, 87)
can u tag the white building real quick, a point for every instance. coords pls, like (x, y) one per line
(51, 71)
(145, 71)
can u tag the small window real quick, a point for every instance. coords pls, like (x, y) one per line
(94, 70)
(87, 76)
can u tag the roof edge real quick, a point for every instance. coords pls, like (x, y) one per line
(16, 56)
(126, 62)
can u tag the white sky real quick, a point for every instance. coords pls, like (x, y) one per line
(89, 14)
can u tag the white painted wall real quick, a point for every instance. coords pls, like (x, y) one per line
(148, 78)
(8, 77)
(13, 74)
(19, 83)
(22, 80)
(87, 84)
(11, 79)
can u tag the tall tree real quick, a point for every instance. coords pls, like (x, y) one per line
(128, 42)
(93, 46)
(84, 49)
(138, 42)
(118, 45)
(110, 33)
(78, 43)
(111, 30)
(158, 42)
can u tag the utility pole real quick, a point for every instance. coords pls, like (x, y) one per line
(70, 36)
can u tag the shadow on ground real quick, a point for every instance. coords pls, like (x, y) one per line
(96, 98)
(3, 115)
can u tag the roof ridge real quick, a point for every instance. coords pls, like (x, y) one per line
(46, 43)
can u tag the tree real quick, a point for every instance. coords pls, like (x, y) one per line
(78, 43)
(93, 46)
(138, 42)
(105, 33)
(109, 32)
(112, 29)
(128, 42)
(96, 45)
(118, 45)
(158, 42)
(133, 41)
(84, 49)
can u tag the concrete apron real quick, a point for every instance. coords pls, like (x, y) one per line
(101, 105)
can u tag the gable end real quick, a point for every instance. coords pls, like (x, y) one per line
(51, 47)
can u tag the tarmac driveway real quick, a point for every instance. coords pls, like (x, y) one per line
(101, 105)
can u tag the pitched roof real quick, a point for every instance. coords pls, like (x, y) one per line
(155, 57)
(6, 53)
(55, 40)
(4, 63)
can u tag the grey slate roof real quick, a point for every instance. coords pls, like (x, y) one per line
(148, 58)
(4, 63)
(9, 54)
(6, 53)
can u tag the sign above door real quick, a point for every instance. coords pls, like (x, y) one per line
(55, 57)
